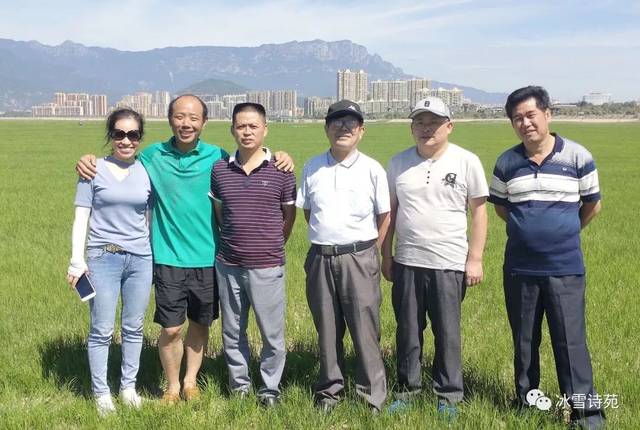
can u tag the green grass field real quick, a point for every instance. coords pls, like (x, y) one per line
(44, 376)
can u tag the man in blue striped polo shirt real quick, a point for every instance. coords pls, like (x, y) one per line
(546, 189)
(254, 208)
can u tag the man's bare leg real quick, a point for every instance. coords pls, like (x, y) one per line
(170, 348)
(195, 345)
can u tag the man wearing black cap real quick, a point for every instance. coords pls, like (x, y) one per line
(345, 198)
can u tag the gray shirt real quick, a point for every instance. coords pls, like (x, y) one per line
(433, 196)
(117, 207)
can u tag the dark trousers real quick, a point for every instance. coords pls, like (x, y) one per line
(344, 291)
(417, 293)
(561, 298)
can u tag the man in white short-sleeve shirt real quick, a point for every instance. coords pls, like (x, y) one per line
(433, 185)
(345, 198)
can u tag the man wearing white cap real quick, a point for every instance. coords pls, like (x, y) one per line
(431, 186)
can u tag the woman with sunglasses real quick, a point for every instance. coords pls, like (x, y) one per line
(118, 255)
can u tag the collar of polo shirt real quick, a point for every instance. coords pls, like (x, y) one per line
(557, 147)
(170, 146)
(233, 158)
(347, 162)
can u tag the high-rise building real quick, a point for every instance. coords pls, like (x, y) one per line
(141, 102)
(413, 86)
(398, 91)
(73, 104)
(388, 96)
(231, 100)
(379, 90)
(282, 103)
(99, 104)
(317, 107)
(162, 97)
(216, 110)
(59, 99)
(261, 97)
(452, 97)
(352, 85)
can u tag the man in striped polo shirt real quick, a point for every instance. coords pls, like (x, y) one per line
(546, 189)
(254, 207)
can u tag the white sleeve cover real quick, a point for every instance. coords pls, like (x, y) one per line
(78, 266)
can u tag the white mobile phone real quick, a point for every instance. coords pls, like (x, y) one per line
(85, 288)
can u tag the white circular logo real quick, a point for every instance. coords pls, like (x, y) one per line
(533, 396)
(543, 403)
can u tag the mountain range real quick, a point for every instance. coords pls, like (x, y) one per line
(30, 72)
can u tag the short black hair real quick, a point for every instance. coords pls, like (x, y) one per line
(119, 114)
(205, 110)
(248, 106)
(525, 93)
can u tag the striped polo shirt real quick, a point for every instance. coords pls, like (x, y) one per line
(543, 203)
(251, 234)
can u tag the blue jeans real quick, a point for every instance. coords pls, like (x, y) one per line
(113, 274)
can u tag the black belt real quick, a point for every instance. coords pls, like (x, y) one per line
(343, 249)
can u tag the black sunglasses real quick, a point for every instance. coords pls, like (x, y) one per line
(133, 135)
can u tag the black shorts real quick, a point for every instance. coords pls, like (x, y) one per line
(184, 291)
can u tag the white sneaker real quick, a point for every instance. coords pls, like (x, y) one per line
(104, 404)
(131, 398)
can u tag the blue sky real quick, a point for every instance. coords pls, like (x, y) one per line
(570, 47)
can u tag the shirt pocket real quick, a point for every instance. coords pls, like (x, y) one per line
(359, 201)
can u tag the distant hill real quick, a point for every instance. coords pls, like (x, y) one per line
(214, 86)
(31, 72)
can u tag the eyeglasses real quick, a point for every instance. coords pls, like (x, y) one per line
(350, 123)
(132, 135)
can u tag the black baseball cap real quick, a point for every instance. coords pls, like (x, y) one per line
(342, 108)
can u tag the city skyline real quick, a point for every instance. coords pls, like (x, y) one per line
(572, 48)
(376, 98)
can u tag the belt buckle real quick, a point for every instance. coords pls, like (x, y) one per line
(335, 250)
(354, 245)
(110, 247)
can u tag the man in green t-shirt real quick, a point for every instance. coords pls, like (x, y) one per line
(184, 239)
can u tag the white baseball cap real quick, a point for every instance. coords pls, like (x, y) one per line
(434, 105)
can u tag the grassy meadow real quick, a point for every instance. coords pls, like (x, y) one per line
(44, 375)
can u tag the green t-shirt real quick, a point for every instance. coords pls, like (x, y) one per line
(183, 231)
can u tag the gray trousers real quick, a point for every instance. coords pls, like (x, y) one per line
(561, 298)
(344, 291)
(264, 290)
(418, 292)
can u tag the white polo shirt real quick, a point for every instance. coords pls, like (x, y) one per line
(344, 198)
(433, 196)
